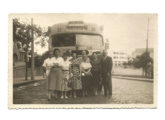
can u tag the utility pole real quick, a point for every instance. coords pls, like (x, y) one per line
(32, 51)
(147, 53)
(147, 35)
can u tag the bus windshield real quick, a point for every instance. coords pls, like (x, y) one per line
(89, 41)
(81, 40)
(63, 40)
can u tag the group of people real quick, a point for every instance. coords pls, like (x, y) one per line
(69, 75)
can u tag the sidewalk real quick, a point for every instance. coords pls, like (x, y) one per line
(22, 81)
(129, 74)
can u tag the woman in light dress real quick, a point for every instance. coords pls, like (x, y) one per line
(66, 76)
(56, 74)
(48, 63)
(76, 74)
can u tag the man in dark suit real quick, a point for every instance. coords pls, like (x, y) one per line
(106, 73)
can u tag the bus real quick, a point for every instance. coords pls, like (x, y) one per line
(76, 35)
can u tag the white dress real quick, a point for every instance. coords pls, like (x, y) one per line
(65, 68)
(56, 75)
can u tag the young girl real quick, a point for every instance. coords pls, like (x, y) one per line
(66, 76)
(76, 74)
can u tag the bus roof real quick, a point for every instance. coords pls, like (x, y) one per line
(75, 27)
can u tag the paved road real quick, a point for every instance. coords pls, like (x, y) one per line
(124, 92)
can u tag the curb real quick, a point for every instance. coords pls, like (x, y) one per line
(113, 76)
(133, 78)
(26, 82)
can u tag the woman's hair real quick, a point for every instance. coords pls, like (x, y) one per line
(94, 53)
(65, 54)
(74, 52)
(86, 51)
(68, 50)
(56, 50)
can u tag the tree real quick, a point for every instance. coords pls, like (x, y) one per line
(142, 61)
(22, 33)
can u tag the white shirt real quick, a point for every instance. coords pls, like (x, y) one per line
(66, 64)
(47, 63)
(105, 58)
(69, 58)
(85, 65)
(58, 60)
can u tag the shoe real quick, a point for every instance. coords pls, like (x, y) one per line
(62, 97)
(49, 96)
(75, 96)
(66, 97)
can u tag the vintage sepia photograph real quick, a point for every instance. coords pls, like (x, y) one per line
(76, 60)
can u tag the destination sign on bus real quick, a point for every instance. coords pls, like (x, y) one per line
(77, 27)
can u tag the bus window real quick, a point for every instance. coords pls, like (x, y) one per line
(62, 40)
(85, 41)
(89, 41)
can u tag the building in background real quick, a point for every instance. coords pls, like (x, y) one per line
(119, 57)
(18, 54)
(140, 51)
(107, 44)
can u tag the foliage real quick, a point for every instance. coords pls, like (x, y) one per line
(45, 55)
(142, 60)
(37, 61)
(22, 32)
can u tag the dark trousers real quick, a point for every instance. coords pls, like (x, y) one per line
(107, 83)
(95, 79)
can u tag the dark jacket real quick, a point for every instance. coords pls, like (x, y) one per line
(106, 65)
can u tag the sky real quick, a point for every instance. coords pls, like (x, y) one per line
(125, 32)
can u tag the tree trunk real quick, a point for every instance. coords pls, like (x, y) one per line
(145, 71)
(26, 66)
